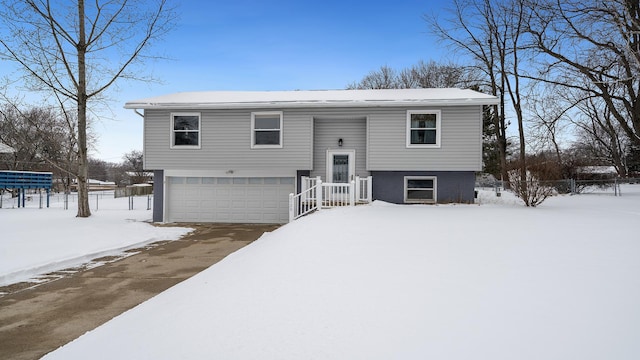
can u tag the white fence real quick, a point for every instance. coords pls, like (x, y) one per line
(316, 195)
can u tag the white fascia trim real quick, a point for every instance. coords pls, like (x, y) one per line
(232, 172)
(307, 104)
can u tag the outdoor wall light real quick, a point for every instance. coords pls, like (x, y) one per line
(340, 142)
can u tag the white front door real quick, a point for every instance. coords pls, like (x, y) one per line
(340, 166)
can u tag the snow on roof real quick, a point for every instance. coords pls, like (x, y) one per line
(313, 98)
(597, 170)
(6, 149)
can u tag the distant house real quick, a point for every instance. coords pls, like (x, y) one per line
(236, 156)
(596, 172)
(6, 149)
(139, 177)
(95, 185)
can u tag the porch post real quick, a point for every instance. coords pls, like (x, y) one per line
(291, 212)
(352, 193)
(370, 188)
(319, 194)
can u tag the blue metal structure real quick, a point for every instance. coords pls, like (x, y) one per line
(22, 180)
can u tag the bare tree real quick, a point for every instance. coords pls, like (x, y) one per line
(551, 117)
(467, 29)
(594, 40)
(420, 75)
(600, 134)
(134, 164)
(383, 78)
(492, 32)
(438, 75)
(43, 140)
(98, 169)
(531, 188)
(77, 50)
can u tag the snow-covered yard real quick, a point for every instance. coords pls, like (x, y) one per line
(35, 241)
(495, 281)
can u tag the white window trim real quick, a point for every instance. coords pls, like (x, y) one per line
(253, 130)
(438, 114)
(172, 131)
(435, 189)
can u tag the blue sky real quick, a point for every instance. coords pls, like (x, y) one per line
(271, 45)
(284, 45)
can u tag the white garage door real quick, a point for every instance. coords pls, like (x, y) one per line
(234, 200)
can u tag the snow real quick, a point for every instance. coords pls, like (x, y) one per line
(490, 281)
(36, 241)
(313, 98)
(6, 149)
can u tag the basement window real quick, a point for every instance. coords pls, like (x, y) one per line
(420, 189)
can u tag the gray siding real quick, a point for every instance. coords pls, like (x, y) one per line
(226, 143)
(380, 144)
(461, 141)
(452, 186)
(327, 131)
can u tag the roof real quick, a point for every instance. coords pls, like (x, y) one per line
(314, 98)
(6, 149)
(597, 170)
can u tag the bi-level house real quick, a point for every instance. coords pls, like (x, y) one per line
(237, 156)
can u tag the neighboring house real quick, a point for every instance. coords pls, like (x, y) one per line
(596, 172)
(95, 185)
(139, 177)
(6, 149)
(236, 156)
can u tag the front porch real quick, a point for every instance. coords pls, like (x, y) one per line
(317, 195)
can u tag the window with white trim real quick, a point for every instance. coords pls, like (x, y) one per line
(266, 130)
(420, 189)
(423, 128)
(185, 130)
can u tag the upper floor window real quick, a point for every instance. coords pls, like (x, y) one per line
(266, 130)
(185, 130)
(423, 128)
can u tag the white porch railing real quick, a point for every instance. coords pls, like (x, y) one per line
(316, 195)
(364, 189)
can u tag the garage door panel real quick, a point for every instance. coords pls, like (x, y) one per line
(250, 200)
(255, 192)
(223, 216)
(238, 216)
(271, 218)
(208, 193)
(223, 193)
(238, 193)
(238, 205)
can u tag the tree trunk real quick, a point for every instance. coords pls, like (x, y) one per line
(502, 143)
(83, 166)
(524, 188)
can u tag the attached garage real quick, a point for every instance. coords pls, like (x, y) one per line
(228, 199)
